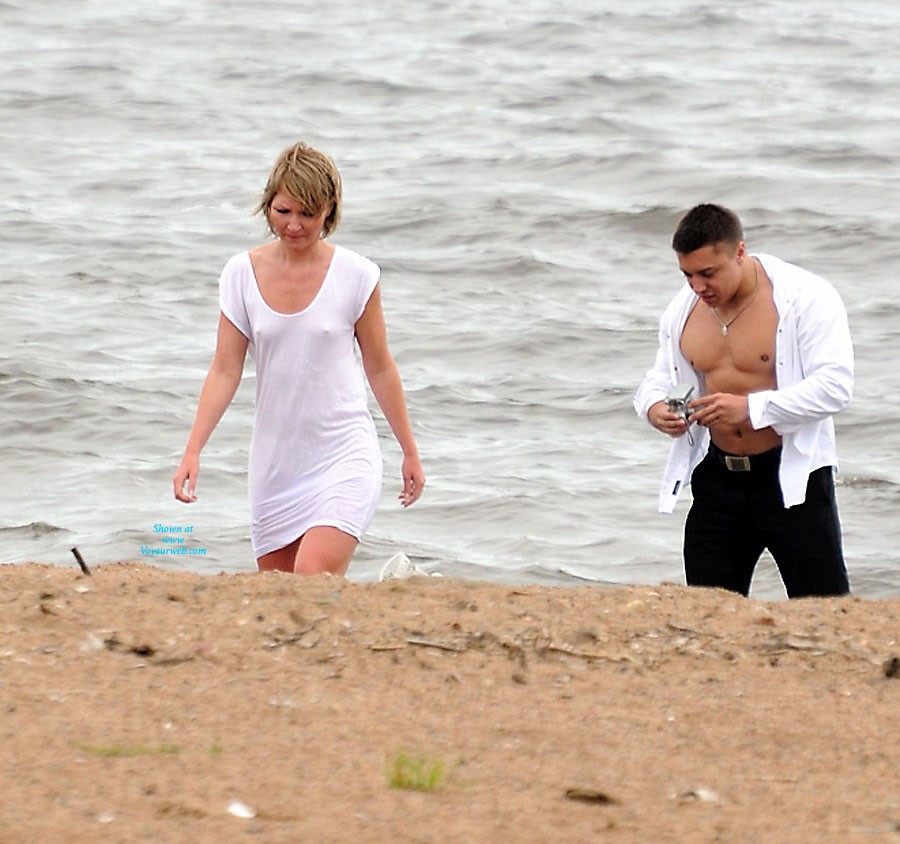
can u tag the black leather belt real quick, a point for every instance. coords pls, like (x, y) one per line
(746, 462)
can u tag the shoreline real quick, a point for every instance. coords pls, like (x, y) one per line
(149, 704)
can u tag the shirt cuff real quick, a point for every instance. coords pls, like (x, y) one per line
(757, 403)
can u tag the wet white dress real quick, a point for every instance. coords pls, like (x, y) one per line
(314, 456)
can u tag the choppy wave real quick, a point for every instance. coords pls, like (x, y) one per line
(517, 172)
(34, 530)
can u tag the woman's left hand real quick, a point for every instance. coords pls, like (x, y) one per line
(413, 481)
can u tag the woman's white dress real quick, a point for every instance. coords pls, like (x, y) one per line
(314, 456)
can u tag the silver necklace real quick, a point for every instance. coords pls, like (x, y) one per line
(744, 308)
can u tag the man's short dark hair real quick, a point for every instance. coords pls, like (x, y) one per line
(704, 225)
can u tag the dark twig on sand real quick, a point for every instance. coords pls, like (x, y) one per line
(430, 643)
(81, 562)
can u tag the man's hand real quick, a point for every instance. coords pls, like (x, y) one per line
(663, 419)
(720, 409)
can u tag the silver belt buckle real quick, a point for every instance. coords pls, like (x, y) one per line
(737, 464)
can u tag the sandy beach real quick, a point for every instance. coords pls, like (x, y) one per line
(148, 705)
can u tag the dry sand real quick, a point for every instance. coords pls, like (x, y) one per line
(146, 705)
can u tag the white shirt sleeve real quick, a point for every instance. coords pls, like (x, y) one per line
(370, 273)
(236, 274)
(670, 366)
(814, 362)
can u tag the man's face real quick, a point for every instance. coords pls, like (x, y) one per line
(713, 272)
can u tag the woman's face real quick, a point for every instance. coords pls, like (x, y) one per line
(293, 224)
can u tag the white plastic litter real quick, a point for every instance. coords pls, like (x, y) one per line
(240, 810)
(398, 567)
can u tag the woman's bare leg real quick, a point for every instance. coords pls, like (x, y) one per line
(325, 549)
(280, 560)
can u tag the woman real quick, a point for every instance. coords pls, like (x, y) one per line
(301, 306)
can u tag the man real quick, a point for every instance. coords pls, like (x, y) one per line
(766, 347)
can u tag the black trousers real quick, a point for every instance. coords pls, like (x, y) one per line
(736, 515)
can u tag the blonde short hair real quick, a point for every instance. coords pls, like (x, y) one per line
(308, 176)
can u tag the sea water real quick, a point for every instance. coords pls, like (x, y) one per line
(516, 170)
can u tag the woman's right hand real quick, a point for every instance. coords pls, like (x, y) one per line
(185, 480)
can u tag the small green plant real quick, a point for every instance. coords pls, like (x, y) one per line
(416, 772)
(128, 750)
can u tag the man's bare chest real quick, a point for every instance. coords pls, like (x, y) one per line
(740, 361)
